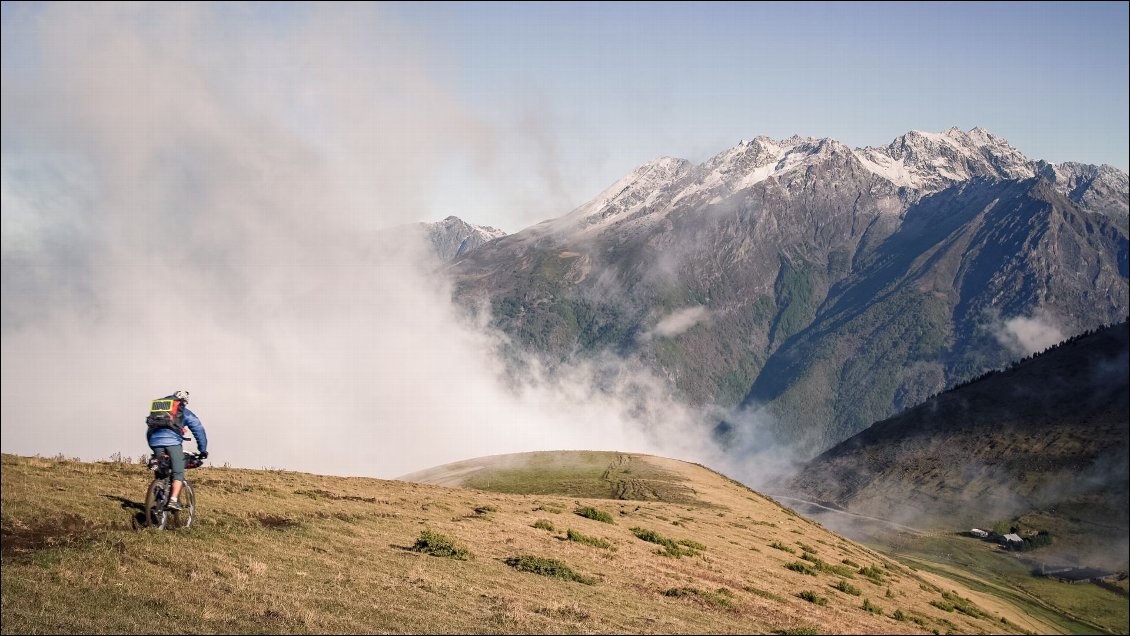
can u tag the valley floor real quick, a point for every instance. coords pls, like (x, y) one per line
(1073, 608)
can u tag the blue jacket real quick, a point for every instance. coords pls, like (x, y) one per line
(168, 437)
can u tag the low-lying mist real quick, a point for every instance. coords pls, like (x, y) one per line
(187, 212)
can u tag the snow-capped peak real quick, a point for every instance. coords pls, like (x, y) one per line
(928, 162)
(636, 190)
(645, 176)
(746, 164)
(921, 162)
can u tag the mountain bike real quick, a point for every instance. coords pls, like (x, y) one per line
(156, 514)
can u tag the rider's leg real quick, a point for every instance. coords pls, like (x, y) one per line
(176, 455)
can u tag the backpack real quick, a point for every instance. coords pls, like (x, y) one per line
(166, 412)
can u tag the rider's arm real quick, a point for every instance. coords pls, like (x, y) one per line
(194, 425)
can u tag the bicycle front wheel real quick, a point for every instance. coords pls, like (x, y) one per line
(187, 514)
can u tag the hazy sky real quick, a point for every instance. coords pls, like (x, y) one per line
(542, 105)
(591, 90)
(190, 193)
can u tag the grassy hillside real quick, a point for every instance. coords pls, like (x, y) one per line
(284, 552)
(1041, 445)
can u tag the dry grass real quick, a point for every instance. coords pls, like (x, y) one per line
(285, 552)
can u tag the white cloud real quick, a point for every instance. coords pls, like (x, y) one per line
(679, 321)
(1027, 335)
(202, 215)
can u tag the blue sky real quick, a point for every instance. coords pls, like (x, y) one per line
(622, 83)
(1052, 75)
(564, 98)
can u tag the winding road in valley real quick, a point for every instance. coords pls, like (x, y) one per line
(892, 524)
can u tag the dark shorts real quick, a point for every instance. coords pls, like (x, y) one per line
(176, 454)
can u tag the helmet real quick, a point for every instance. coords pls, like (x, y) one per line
(181, 395)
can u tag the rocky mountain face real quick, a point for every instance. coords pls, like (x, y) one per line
(453, 237)
(1048, 437)
(929, 306)
(816, 286)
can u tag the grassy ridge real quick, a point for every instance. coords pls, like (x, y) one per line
(284, 552)
(592, 474)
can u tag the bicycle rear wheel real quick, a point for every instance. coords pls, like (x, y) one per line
(155, 514)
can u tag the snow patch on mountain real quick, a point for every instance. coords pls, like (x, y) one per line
(929, 162)
(888, 168)
(1091, 186)
(747, 164)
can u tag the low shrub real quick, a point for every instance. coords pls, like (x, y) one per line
(719, 598)
(873, 574)
(694, 545)
(547, 567)
(799, 566)
(436, 544)
(670, 548)
(594, 514)
(762, 593)
(819, 565)
(595, 542)
(812, 597)
(963, 605)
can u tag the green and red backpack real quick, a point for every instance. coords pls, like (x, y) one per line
(166, 412)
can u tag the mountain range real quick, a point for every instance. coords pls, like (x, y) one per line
(810, 288)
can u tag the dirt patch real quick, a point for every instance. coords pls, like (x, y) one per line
(631, 479)
(19, 542)
(356, 498)
(340, 516)
(318, 493)
(225, 485)
(277, 523)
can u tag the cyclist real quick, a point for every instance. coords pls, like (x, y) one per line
(166, 440)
